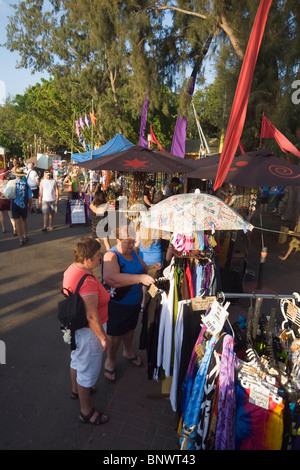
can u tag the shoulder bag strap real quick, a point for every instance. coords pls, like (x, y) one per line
(82, 281)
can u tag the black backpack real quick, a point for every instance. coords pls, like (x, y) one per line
(71, 310)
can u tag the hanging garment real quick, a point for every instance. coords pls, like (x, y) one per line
(191, 372)
(197, 275)
(185, 293)
(211, 380)
(192, 412)
(150, 330)
(189, 278)
(208, 272)
(224, 435)
(189, 332)
(178, 337)
(164, 347)
(257, 428)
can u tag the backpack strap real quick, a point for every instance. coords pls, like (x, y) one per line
(78, 286)
(81, 282)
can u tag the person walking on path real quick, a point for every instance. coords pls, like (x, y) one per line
(99, 207)
(4, 202)
(48, 200)
(278, 197)
(91, 341)
(72, 181)
(264, 198)
(149, 190)
(124, 273)
(20, 204)
(34, 182)
(169, 189)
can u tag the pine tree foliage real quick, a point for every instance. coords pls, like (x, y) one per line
(112, 53)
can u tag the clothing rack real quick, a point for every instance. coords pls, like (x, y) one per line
(255, 295)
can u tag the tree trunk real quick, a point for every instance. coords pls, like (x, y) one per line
(232, 38)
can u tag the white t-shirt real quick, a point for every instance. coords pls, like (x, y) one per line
(31, 179)
(49, 193)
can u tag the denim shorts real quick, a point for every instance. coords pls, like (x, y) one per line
(48, 207)
(86, 359)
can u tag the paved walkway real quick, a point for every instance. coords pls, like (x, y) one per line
(36, 409)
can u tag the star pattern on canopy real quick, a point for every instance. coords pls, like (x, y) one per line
(136, 163)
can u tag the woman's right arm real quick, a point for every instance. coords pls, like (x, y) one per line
(91, 309)
(113, 277)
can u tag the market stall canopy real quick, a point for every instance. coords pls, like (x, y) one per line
(254, 169)
(140, 159)
(192, 212)
(116, 144)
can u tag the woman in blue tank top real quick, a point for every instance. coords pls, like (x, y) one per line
(124, 274)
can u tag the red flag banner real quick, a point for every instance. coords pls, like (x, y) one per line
(242, 148)
(154, 139)
(268, 131)
(240, 103)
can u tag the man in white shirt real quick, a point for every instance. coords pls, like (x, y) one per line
(33, 181)
(48, 199)
(169, 189)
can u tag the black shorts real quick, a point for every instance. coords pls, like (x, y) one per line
(35, 193)
(18, 212)
(264, 200)
(122, 318)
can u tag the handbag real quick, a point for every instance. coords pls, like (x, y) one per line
(116, 293)
(10, 191)
(71, 310)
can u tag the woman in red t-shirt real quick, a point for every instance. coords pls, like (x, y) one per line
(91, 341)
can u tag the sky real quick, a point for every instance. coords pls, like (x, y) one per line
(13, 81)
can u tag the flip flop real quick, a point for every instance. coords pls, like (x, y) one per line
(110, 372)
(135, 358)
(100, 419)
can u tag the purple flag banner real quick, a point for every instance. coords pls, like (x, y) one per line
(179, 136)
(81, 122)
(142, 141)
(87, 120)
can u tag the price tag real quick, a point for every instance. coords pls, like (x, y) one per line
(215, 319)
(152, 290)
(202, 303)
(259, 396)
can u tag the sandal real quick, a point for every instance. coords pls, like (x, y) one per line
(110, 372)
(75, 395)
(135, 358)
(100, 419)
